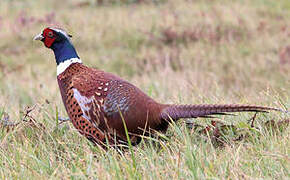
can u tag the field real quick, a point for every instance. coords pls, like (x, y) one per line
(177, 51)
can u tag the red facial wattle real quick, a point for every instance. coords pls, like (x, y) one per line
(49, 37)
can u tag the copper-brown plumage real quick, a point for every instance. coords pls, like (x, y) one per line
(113, 96)
(98, 102)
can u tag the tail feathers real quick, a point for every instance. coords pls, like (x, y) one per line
(176, 112)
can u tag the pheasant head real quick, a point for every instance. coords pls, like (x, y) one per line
(60, 42)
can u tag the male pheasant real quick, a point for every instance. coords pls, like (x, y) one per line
(99, 103)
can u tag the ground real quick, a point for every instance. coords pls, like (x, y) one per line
(177, 51)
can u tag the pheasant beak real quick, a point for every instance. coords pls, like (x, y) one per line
(38, 37)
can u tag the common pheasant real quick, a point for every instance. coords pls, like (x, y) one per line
(100, 104)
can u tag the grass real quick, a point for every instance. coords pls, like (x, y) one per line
(177, 52)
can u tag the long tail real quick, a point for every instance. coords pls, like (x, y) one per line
(176, 112)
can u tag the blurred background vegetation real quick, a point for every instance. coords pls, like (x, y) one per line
(177, 51)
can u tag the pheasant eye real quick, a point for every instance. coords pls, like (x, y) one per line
(50, 34)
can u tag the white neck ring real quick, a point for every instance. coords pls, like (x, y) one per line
(61, 67)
